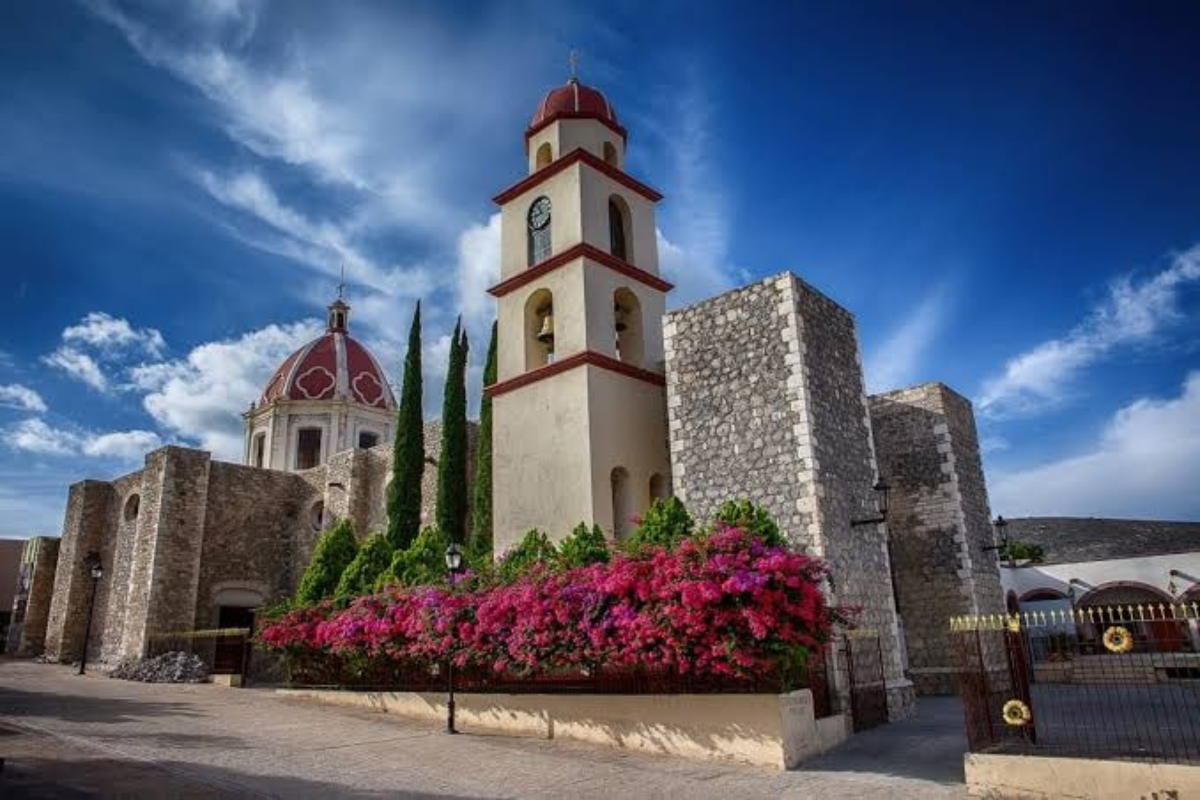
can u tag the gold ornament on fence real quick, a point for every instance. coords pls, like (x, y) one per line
(1118, 639)
(1016, 713)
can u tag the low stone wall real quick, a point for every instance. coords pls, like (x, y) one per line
(1036, 777)
(1129, 668)
(777, 731)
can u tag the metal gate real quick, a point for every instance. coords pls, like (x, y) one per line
(868, 691)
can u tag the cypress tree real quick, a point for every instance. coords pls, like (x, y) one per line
(408, 450)
(452, 465)
(360, 576)
(336, 548)
(481, 510)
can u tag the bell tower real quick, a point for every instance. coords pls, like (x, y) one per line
(579, 407)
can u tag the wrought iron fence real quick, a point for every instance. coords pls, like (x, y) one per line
(224, 651)
(1117, 682)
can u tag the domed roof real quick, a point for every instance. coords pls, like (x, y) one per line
(574, 101)
(331, 367)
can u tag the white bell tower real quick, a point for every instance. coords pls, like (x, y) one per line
(579, 407)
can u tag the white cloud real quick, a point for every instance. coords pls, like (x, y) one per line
(79, 366)
(897, 361)
(14, 395)
(35, 436)
(1133, 313)
(201, 398)
(108, 333)
(478, 270)
(1144, 465)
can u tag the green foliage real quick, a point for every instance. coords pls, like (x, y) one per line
(664, 524)
(535, 548)
(584, 546)
(360, 577)
(336, 548)
(422, 564)
(451, 512)
(481, 509)
(1018, 550)
(408, 450)
(752, 519)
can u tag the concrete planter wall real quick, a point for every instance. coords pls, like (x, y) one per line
(1037, 777)
(777, 731)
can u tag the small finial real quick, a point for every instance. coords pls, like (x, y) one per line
(573, 61)
(342, 285)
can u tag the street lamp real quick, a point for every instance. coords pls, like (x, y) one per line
(881, 490)
(1000, 524)
(454, 565)
(92, 562)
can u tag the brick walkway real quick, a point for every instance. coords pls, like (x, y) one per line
(64, 735)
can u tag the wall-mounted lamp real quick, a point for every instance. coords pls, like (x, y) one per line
(1173, 587)
(881, 503)
(1071, 584)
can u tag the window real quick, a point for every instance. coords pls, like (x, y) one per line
(132, 506)
(259, 449)
(540, 246)
(622, 510)
(627, 326)
(367, 440)
(619, 229)
(316, 515)
(610, 154)
(545, 154)
(539, 329)
(308, 448)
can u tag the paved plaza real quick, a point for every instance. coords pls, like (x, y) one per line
(63, 735)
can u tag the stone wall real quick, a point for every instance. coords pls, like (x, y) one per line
(765, 401)
(83, 532)
(35, 592)
(939, 521)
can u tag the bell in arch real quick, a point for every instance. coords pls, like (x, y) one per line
(546, 334)
(619, 313)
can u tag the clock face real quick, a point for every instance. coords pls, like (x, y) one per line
(539, 213)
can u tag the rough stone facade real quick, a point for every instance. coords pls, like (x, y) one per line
(939, 519)
(186, 535)
(765, 401)
(35, 589)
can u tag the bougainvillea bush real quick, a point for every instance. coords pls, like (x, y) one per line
(721, 604)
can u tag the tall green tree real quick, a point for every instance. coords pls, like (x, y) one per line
(408, 450)
(360, 576)
(452, 464)
(336, 548)
(481, 509)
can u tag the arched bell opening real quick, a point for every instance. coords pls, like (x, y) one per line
(545, 154)
(622, 503)
(611, 155)
(539, 329)
(627, 327)
(620, 229)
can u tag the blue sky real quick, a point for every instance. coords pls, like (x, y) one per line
(1007, 195)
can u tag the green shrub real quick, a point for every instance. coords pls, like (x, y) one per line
(665, 524)
(584, 546)
(360, 577)
(422, 564)
(1018, 550)
(336, 548)
(535, 548)
(753, 519)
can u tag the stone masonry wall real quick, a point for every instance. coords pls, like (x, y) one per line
(83, 529)
(765, 401)
(939, 521)
(35, 594)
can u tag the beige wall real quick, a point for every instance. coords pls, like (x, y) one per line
(1037, 777)
(340, 422)
(566, 135)
(566, 223)
(566, 284)
(640, 239)
(765, 730)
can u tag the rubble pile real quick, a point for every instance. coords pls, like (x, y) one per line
(173, 667)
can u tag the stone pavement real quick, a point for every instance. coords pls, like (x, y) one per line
(68, 736)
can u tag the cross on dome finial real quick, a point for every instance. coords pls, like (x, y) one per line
(573, 61)
(342, 284)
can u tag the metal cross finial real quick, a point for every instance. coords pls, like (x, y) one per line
(573, 60)
(342, 285)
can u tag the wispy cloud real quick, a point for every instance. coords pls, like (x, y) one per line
(36, 436)
(1133, 313)
(898, 360)
(20, 397)
(99, 340)
(78, 365)
(1153, 444)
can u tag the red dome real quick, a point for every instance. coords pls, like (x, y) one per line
(574, 101)
(334, 366)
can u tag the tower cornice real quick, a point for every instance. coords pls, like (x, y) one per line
(587, 357)
(581, 250)
(574, 157)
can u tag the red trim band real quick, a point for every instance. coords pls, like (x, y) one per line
(533, 130)
(574, 157)
(570, 362)
(581, 250)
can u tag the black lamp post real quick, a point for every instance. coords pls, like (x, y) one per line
(1000, 524)
(881, 503)
(93, 564)
(454, 565)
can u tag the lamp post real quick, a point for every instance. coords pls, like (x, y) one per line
(97, 571)
(454, 565)
(1000, 525)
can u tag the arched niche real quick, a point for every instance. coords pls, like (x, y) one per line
(622, 503)
(545, 154)
(627, 327)
(611, 156)
(620, 229)
(660, 487)
(539, 329)
(133, 505)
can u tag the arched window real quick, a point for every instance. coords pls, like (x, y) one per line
(538, 220)
(132, 506)
(545, 154)
(610, 154)
(316, 515)
(539, 329)
(622, 508)
(619, 229)
(367, 439)
(308, 448)
(259, 449)
(627, 326)
(659, 487)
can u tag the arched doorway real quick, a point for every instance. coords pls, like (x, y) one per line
(1119, 602)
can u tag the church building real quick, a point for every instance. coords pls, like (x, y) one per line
(604, 401)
